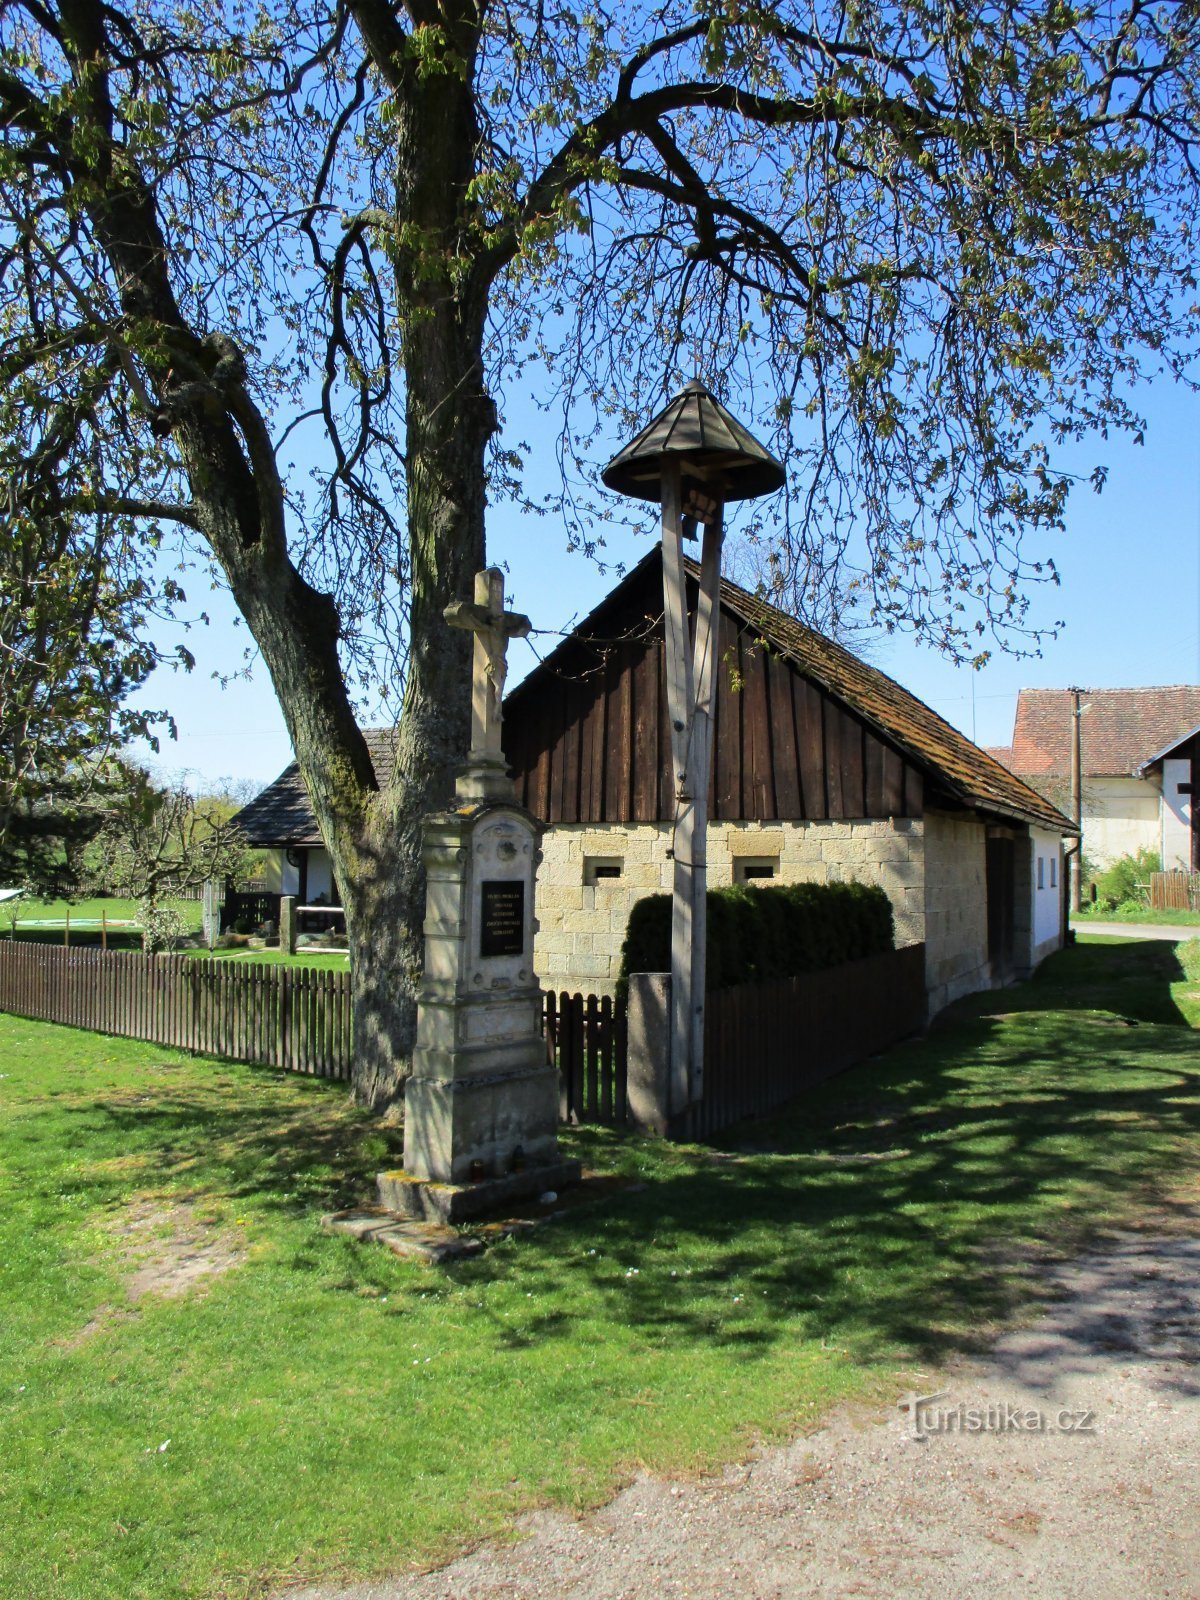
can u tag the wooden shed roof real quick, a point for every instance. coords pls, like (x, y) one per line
(958, 769)
(948, 756)
(901, 740)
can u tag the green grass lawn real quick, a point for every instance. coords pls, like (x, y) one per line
(44, 921)
(331, 1410)
(1143, 914)
(322, 960)
(90, 911)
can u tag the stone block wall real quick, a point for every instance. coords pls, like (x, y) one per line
(956, 937)
(582, 923)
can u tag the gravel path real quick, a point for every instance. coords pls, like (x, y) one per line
(1136, 930)
(1104, 1504)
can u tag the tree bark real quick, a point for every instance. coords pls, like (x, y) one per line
(450, 419)
(373, 834)
(371, 826)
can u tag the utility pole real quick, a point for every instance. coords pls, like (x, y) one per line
(1077, 798)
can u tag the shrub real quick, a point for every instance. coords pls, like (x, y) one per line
(162, 926)
(1118, 884)
(775, 932)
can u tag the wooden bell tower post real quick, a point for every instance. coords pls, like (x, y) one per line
(692, 459)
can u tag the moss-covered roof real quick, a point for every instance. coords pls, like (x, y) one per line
(282, 815)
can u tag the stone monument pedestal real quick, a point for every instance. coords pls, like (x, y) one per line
(481, 1105)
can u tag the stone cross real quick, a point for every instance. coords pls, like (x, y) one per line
(493, 627)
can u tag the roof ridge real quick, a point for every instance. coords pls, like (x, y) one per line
(1143, 688)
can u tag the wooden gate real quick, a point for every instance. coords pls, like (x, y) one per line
(585, 1036)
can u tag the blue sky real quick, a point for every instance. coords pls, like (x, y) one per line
(1130, 597)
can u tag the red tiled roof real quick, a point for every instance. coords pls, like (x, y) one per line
(1120, 729)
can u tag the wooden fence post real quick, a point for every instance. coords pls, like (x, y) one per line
(648, 1023)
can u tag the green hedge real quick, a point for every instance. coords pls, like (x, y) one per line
(775, 932)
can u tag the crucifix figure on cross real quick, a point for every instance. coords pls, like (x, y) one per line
(493, 627)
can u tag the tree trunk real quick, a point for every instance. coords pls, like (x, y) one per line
(199, 386)
(449, 421)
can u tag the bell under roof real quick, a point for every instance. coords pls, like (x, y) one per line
(711, 443)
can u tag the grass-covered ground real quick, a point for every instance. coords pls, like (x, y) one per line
(46, 922)
(1138, 913)
(323, 960)
(332, 1410)
(88, 912)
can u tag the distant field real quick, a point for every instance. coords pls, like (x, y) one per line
(45, 922)
(54, 913)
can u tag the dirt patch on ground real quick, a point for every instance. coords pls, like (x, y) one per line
(168, 1248)
(171, 1248)
(1062, 1467)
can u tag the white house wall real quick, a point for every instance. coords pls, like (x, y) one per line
(1120, 817)
(1176, 816)
(280, 876)
(320, 876)
(1046, 888)
(581, 925)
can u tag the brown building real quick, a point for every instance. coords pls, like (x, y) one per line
(824, 768)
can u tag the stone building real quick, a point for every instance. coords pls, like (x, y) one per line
(823, 769)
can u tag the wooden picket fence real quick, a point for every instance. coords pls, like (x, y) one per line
(586, 1034)
(1175, 891)
(293, 1018)
(766, 1043)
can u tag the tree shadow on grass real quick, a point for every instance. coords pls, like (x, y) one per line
(289, 1157)
(920, 1255)
(893, 1213)
(1132, 980)
(901, 1211)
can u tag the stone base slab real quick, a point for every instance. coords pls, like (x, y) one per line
(423, 1199)
(427, 1241)
(452, 1122)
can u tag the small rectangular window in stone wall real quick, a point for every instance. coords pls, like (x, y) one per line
(602, 869)
(755, 869)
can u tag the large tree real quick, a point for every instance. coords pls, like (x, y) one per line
(922, 244)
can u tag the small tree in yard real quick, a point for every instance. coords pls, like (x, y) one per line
(924, 244)
(73, 605)
(159, 842)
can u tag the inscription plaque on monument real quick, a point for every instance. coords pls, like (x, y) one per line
(502, 917)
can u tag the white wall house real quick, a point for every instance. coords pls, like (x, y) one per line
(1137, 752)
(1174, 768)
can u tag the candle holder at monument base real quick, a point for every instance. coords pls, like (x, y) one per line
(483, 1094)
